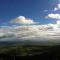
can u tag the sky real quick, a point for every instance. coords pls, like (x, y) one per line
(34, 9)
(30, 20)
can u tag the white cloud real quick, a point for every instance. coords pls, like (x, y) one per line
(53, 16)
(57, 7)
(23, 20)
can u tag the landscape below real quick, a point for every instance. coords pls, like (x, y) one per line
(15, 50)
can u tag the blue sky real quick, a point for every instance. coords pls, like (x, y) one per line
(33, 9)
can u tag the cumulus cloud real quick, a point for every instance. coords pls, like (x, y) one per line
(23, 20)
(53, 16)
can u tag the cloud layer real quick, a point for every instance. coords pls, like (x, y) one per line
(33, 32)
(30, 32)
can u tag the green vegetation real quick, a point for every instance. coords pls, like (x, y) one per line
(22, 50)
(26, 50)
